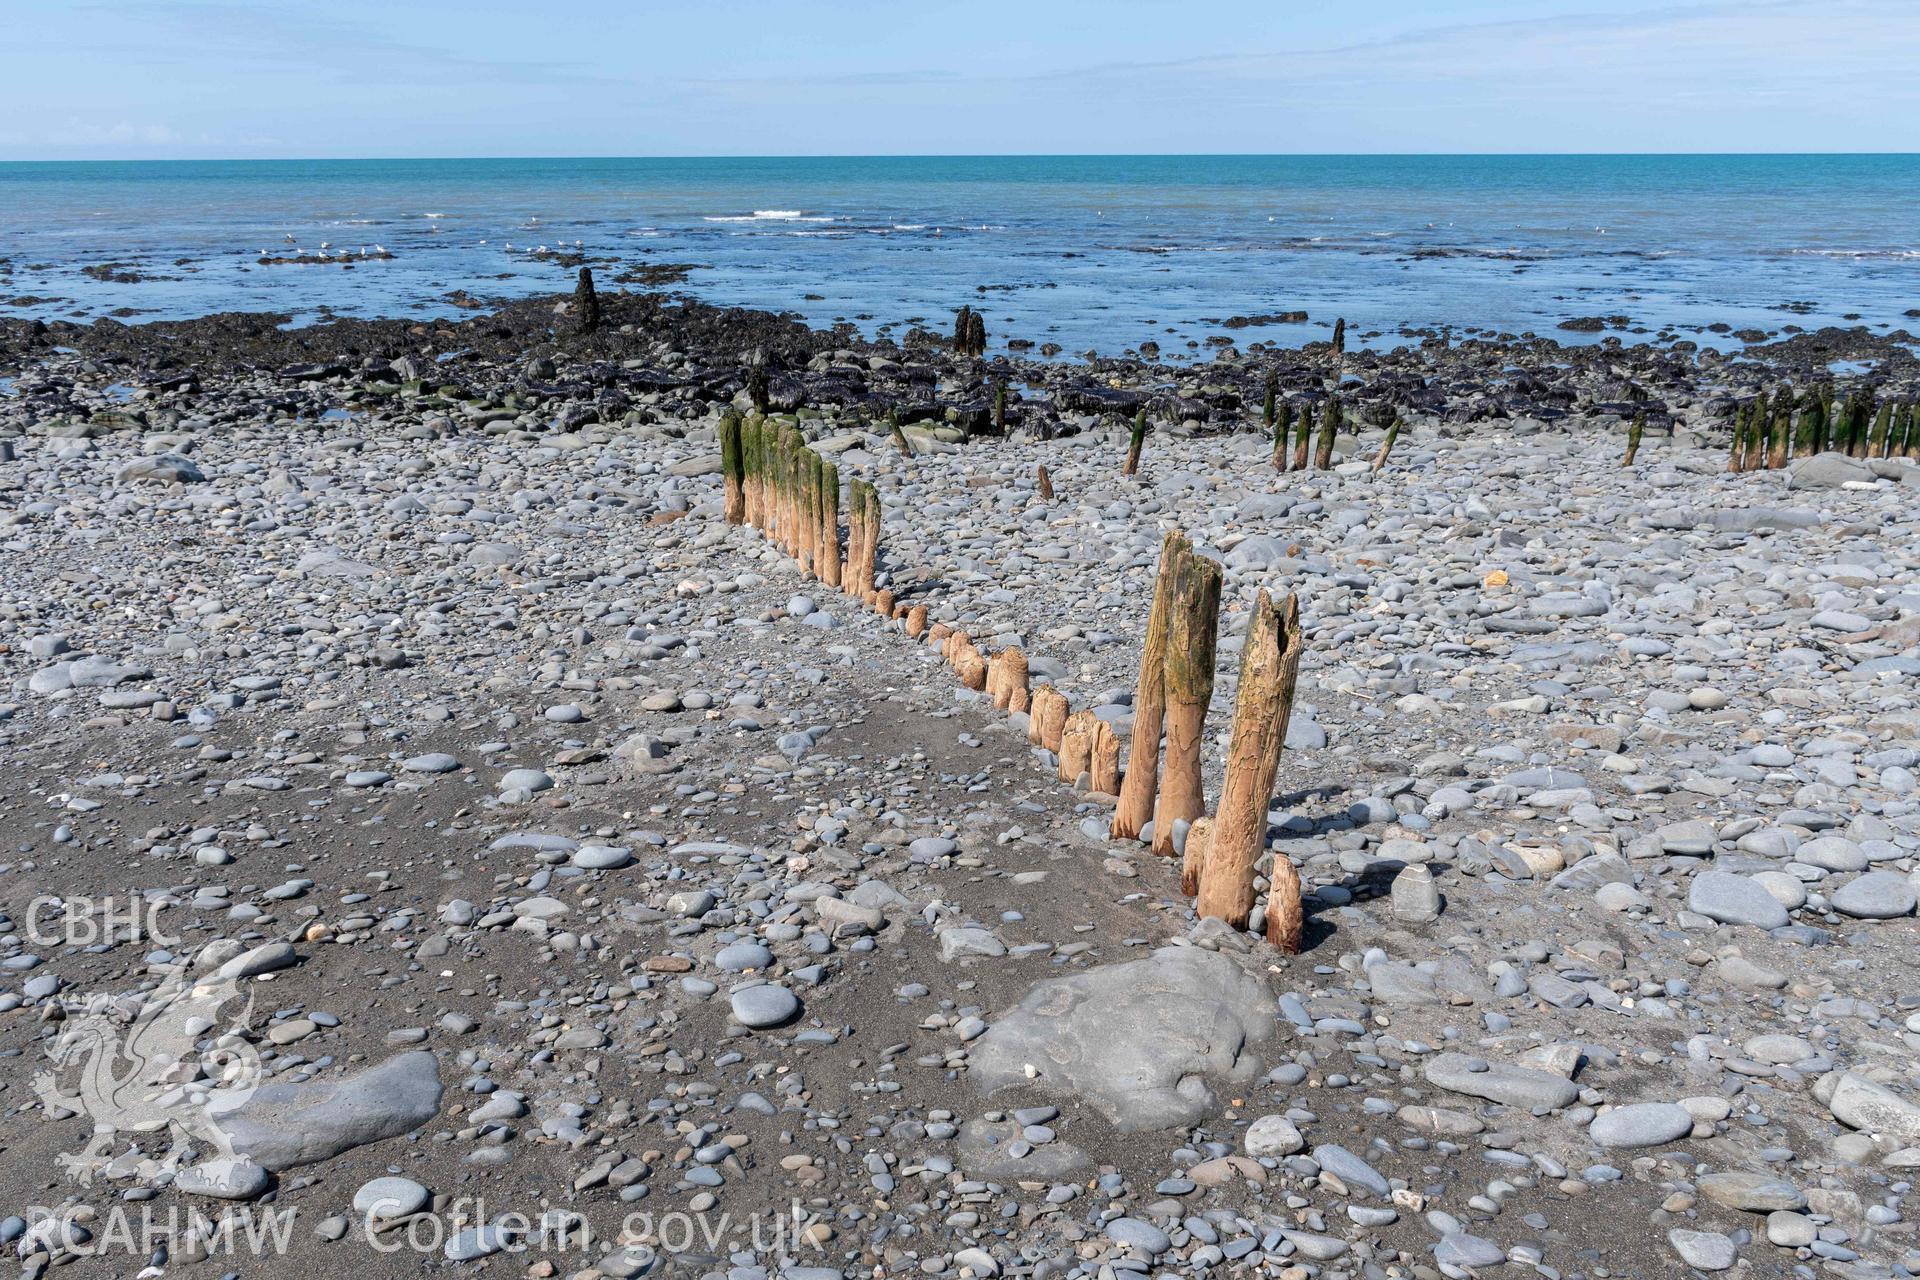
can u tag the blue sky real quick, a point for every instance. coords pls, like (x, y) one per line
(251, 78)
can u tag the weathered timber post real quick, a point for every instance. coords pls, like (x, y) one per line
(1329, 428)
(828, 556)
(1386, 446)
(586, 303)
(1048, 718)
(1135, 809)
(1133, 445)
(1303, 437)
(971, 668)
(1283, 420)
(1103, 758)
(1269, 672)
(1011, 664)
(759, 388)
(1781, 434)
(1044, 482)
(733, 468)
(1634, 432)
(1192, 619)
(1194, 855)
(916, 622)
(1076, 746)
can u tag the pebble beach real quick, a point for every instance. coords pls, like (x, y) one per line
(394, 715)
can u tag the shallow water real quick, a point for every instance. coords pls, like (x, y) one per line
(1101, 252)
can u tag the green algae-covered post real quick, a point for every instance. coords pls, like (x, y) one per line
(1192, 624)
(1386, 445)
(1329, 429)
(1303, 437)
(1281, 423)
(732, 467)
(1135, 443)
(1634, 432)
(827, 557)
(1782, 432)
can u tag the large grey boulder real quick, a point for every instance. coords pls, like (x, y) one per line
(283, 1125)
(1832, 470)
(1138, 1041)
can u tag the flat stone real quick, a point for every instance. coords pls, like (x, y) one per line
(1504, 1083)
(384, 1199)
(1707, 1250)
(224, 1178)
(764, 1005)
(1458, 1249)
(1750, 1192)
(1862, 1104)
(1351, 1169)
(1273, 1135)
(739, 957)
(1734, 899)
(1132, 1233)
(1878, 895)
(1641, 1124)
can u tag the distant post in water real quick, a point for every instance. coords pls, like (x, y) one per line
(586, 303)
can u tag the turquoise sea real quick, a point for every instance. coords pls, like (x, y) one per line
(1087, 252)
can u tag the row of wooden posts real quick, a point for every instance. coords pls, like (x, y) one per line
(779, 485)
(1768, 431)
